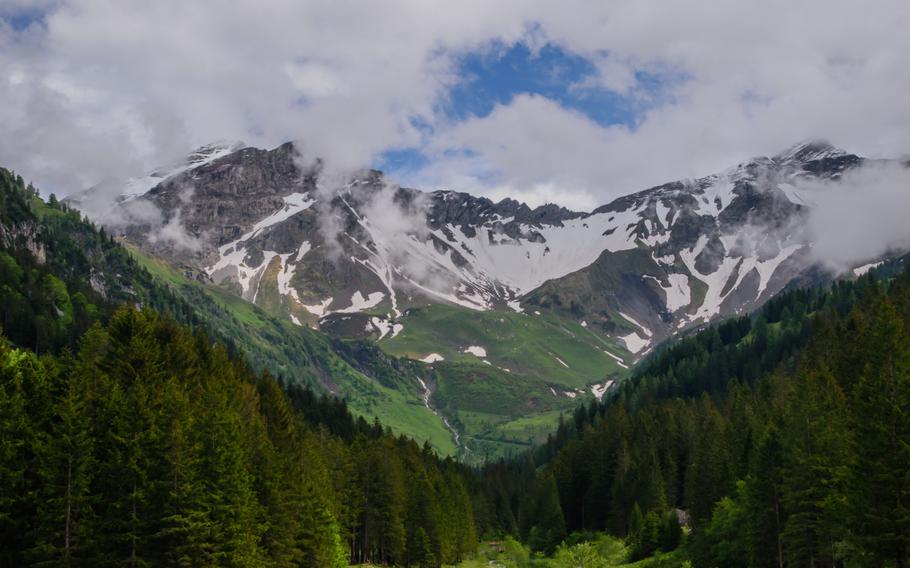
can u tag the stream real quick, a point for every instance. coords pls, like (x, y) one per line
(427, 393)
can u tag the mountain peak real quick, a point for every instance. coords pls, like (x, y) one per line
(810, 150)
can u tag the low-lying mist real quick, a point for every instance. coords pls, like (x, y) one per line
(862, 216)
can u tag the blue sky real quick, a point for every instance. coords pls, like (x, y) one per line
(20, 19)
(496, 74)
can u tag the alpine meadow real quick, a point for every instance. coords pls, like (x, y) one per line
(423, 284)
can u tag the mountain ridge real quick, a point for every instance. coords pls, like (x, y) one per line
(247, 218)
(514, 312)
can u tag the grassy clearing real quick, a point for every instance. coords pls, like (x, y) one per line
(491, 436)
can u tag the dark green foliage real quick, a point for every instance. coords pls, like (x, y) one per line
(150, 446)
(542, 519)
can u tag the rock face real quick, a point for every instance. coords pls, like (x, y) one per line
(23, 234)
(638, 269)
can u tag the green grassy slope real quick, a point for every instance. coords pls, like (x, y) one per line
(537, 365)
(373, 384)
(545, 348)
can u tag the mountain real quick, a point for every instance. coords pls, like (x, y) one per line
(518, 311)
(134, 438)
(637, 269)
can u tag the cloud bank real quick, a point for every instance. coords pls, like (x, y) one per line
(96, 90)
(861, 217)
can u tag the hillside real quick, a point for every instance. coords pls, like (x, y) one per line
(62, 274)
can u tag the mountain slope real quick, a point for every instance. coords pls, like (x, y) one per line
(60, 275)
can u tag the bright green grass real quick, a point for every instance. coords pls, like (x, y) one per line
(491, 436)
(402, 412)
(546, 348)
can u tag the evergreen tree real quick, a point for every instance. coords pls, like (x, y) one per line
(65, 464)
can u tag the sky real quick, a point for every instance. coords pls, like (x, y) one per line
(574, 102)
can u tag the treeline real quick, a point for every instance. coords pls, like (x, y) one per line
(149, 446)
(782, 440)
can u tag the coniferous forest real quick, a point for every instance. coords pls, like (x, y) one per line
(130, 435)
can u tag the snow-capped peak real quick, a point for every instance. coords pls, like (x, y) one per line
(204, 154)
(810, 150)
(669, 256)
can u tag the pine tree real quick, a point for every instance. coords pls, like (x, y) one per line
(764, 489)
(16, 441)
(708, 477)
(65, 458)
(548, 527)
(814, 477)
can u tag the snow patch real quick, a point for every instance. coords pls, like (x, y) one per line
(359, 303)
(864, 269)
(663, 213)
(634, 343)
(619, 360)
(598, 390)
(644, 329)
(432, 358)
(385, 327)
(476, 350)
(319, 309)
(677, 292)
(516, 305)
(293, 204)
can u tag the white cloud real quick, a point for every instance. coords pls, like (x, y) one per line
(860, 217)
(314, 80)
(108, 88)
